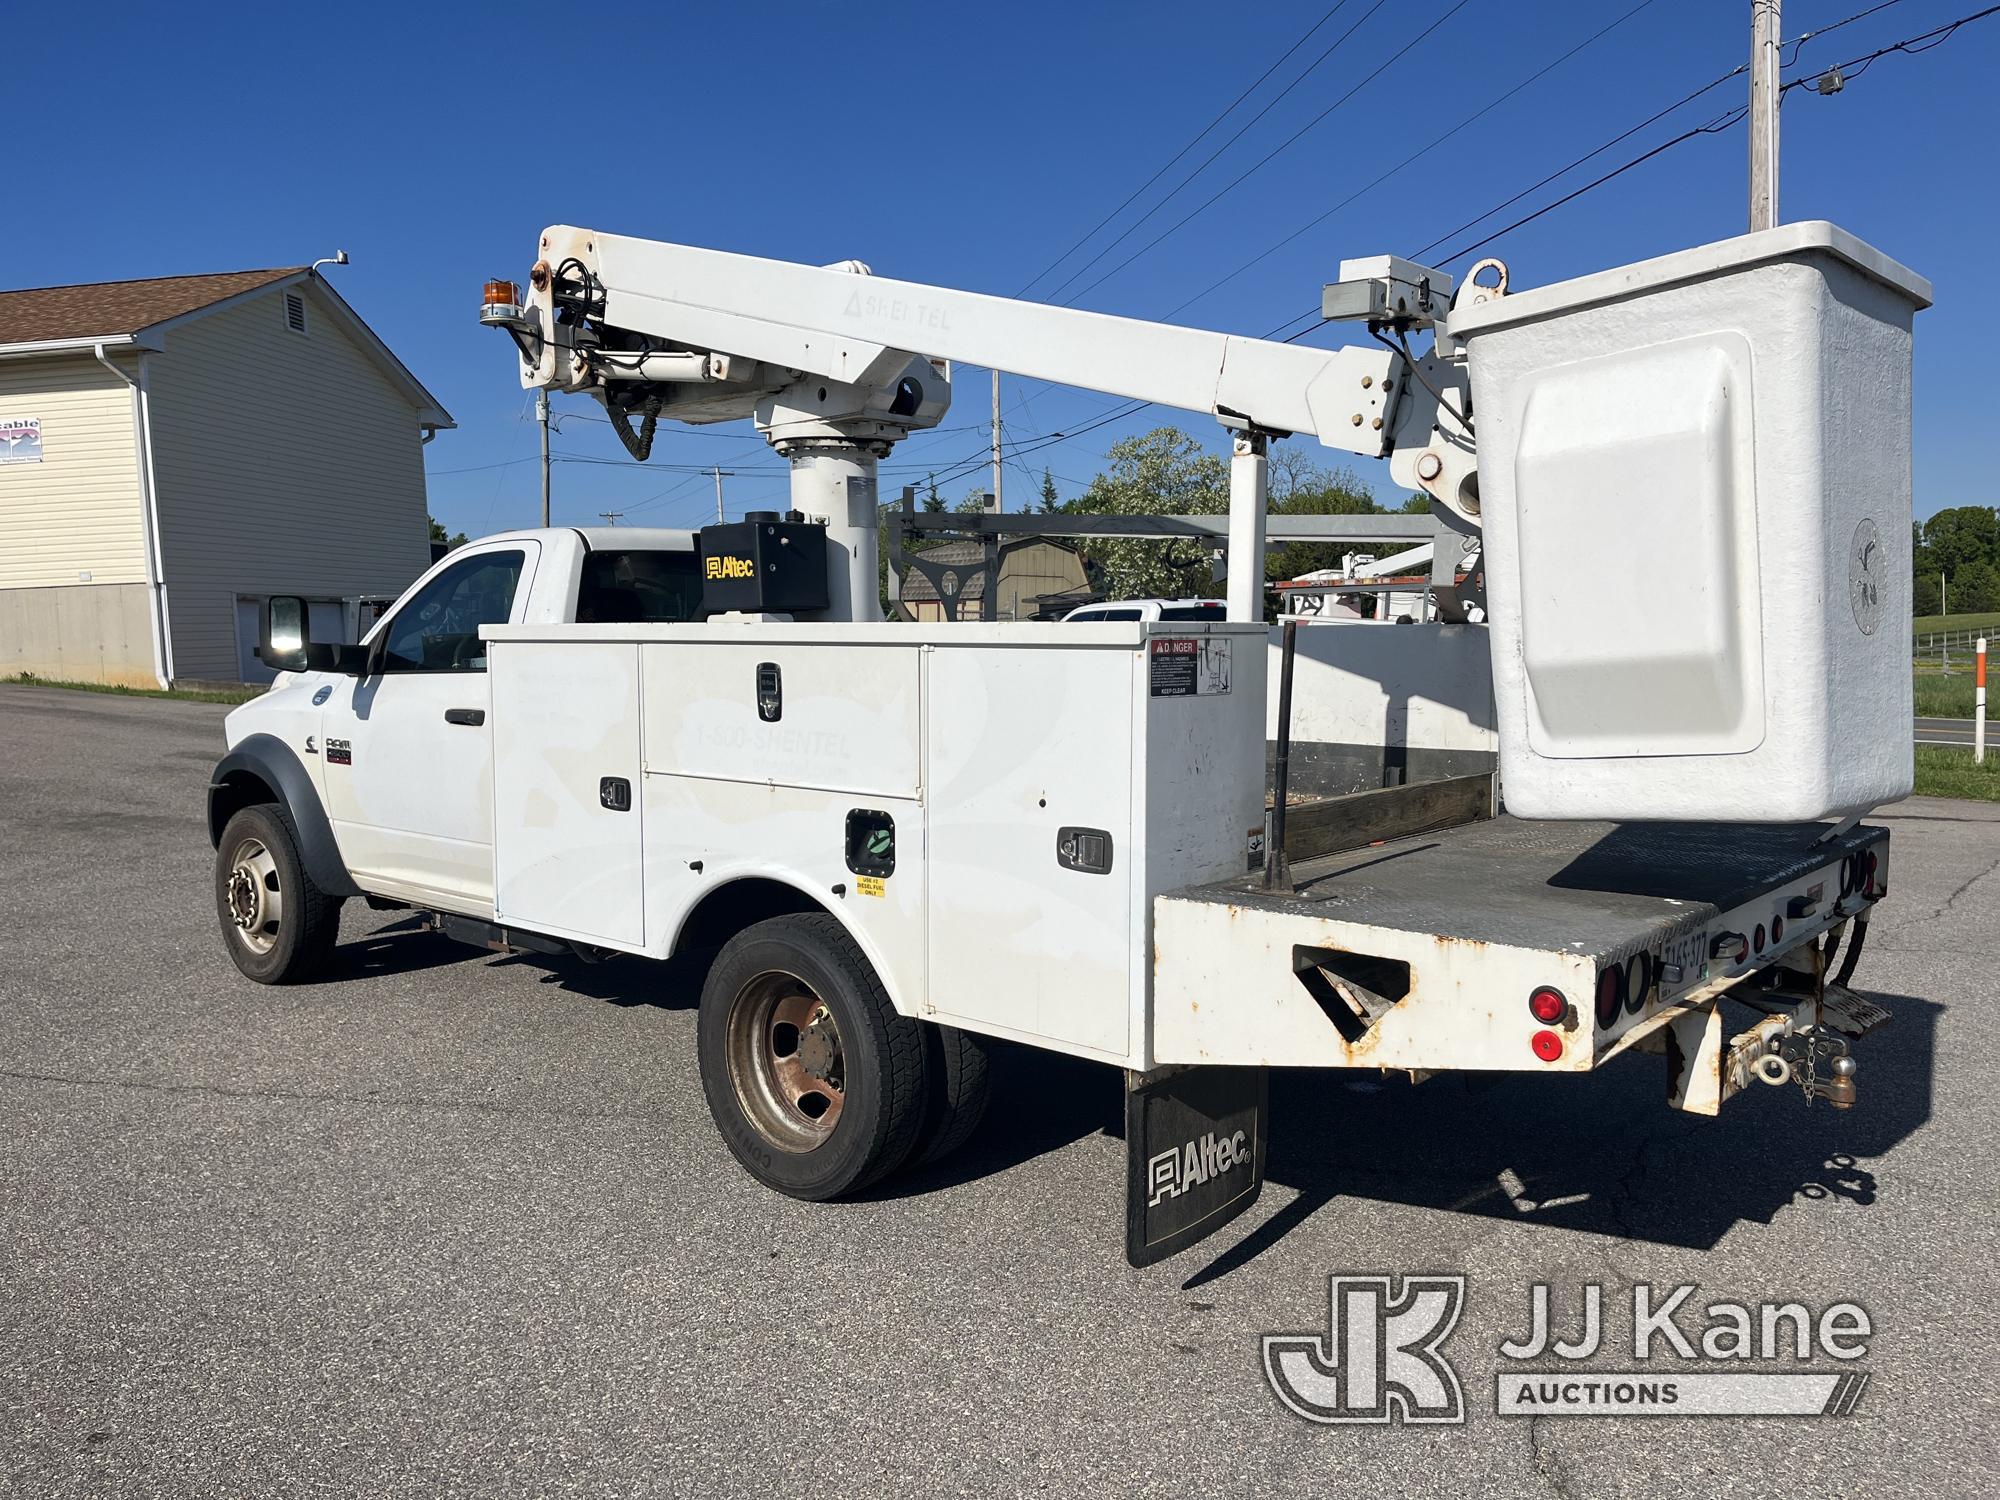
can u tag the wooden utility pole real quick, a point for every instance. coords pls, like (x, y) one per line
(542, 416)
(719, 473)
(1764, 93)
(998, 504)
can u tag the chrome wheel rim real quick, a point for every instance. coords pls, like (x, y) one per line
(786, 1061)
(252, 896)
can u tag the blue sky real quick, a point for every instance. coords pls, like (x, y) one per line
(968, 146)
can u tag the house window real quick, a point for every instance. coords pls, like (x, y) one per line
(295, 312)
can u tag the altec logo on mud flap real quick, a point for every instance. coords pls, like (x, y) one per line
(1173, 1172)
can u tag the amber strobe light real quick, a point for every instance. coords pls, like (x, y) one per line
(502, 302)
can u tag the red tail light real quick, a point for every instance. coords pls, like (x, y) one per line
(1610, 995)
(1548, 1006)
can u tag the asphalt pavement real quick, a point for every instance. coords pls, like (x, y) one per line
(1953, 732)
(450, 1223)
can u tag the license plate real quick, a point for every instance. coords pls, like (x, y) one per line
(1684, 962)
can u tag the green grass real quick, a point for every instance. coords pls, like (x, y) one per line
(1942, 696)
(1941, 624)
(1944, 771)
(186, 695)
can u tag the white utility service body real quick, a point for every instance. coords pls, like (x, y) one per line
(985, 744)
(905, 838)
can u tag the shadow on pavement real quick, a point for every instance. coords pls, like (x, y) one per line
(404, 946)
(1601, 1152)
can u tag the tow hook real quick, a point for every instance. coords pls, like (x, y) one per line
(1796, 1056)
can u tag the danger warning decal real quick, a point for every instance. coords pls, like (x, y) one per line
(1187, 666)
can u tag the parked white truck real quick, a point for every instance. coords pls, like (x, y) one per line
(897, 840)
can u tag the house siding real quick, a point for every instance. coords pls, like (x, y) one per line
(72, 534)
(284, 463)
(77, 511)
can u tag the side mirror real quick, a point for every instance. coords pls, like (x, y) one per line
(281, 644)
(285, 642)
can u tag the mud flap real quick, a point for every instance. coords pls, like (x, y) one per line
(1195, 1140)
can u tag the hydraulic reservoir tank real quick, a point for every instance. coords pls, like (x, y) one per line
(1694, 478)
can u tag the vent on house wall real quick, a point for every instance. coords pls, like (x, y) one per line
(295, 312)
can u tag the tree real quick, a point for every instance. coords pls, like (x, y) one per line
(1163, 472)
(1049, 498)
(1954, 556)
(1975, 588)
(438, 534)
(1961, 535)
(1302, 486)
(933, 501)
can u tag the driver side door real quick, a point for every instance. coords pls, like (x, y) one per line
(408, 748)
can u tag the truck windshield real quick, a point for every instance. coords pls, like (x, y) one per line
(654, 588)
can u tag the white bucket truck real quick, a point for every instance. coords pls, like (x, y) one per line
(897, 840)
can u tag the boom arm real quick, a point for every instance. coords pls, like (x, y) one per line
(834, 357)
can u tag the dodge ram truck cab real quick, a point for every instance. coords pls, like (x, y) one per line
(406, 718)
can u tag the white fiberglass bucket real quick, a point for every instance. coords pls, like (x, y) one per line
(1694, 478)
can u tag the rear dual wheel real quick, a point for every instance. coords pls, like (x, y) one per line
(818, 1086)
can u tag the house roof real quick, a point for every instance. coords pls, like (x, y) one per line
(99, 308)
(53, 318)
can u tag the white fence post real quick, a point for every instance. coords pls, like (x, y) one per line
(1979, 703)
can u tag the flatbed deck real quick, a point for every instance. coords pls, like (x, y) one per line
(1423, 952)
(1600, 886)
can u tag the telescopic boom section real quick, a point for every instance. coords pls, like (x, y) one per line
(837, 364)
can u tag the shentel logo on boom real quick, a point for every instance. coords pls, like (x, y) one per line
(1174, 1171)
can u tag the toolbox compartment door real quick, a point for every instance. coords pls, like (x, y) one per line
(566, 853)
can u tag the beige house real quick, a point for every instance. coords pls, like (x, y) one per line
(173, 451)
(1035, 573)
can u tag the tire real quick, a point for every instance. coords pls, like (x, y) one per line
(818, 1087)
(961, 1083)
(279, 927)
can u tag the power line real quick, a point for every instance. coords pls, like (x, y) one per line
(1936, 37)
(1923, 42)
(480, 468)
(1438, 141)
(1209, 160)
(1796, 44)
(1913, 45)
(1720, 123)
(1283, 145)
(1195, 141)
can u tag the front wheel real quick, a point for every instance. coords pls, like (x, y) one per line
(817, 1085)
(279, 927)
